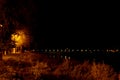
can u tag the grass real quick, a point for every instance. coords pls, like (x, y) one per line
(40, 67)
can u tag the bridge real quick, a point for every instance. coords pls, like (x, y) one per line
(71, 50)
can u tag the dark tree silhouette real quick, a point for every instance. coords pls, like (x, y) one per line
(15, 14)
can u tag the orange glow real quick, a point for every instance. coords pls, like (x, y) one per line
(19, 38)
(1, 25)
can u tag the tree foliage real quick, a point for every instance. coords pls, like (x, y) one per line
(14, 15)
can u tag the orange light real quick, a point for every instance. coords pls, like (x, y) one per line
(19, 38)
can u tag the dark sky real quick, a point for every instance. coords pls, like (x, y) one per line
(80, 24)
(69, 23)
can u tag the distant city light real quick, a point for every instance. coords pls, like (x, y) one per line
(61, 50)
(45, 50)
(77, 50)
(53, 50)
(117, 50)
(98, 50)
(85, 50)
(42, 50)
(69, 57)
(81, 50)
(68, 50)
(65, 57)
(107, 50)
(1, 25)
(49, 50)
(72, 50)
(65, 50)
(57, 50)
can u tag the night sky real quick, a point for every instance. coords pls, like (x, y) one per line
(61, 24)
(81, 24)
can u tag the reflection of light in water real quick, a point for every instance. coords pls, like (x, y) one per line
(57, 50)
(61, 50)
(53, 50)
(117, 50)
(45, 50)
(1, 25)
(72, 50)
(77, 50)
(81, 50)
(54, 56)
(69, 57)
(49, 50)
(85, 50)
(65, 57)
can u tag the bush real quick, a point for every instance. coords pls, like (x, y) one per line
(30, 67)
(82, 71)
(103, 72)
(85, 71)
(39, 69)
(63, 69)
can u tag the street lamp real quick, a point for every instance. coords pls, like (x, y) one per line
(1, 33)
(1, 36)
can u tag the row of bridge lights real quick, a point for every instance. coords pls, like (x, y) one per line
(80, 50)
(70, 50)
(112, 50)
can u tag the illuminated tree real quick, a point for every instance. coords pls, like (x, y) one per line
(21, 38)
(15, 15)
